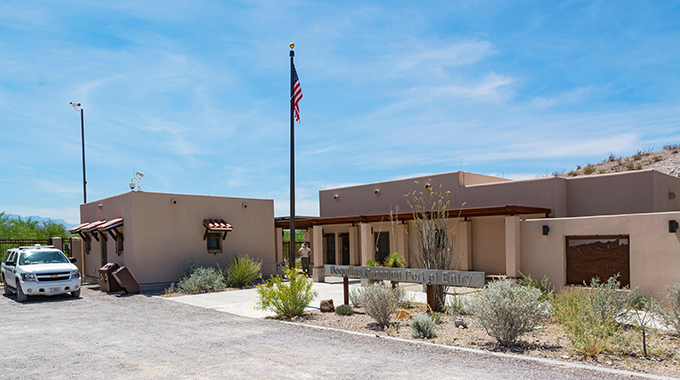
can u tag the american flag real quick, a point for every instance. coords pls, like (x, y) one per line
(297, 94)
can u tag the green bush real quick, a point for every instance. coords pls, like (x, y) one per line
(507, 311)
(287, 299)
(379, 302)
(344, 310)
(422, 326)
(672, 313)
(588, 332)
(608, 299)
(394, 261)
(544, 286)
(454, 305)
(188, 268)
(202, 280)
(242, 271)
(589, 169)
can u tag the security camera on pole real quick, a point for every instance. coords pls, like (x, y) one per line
(76, 106)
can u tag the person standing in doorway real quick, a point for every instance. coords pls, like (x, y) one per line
(304, 257)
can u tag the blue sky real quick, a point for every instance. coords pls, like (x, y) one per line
(195, 94)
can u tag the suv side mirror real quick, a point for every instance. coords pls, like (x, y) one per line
(10, 263)
(72, 260)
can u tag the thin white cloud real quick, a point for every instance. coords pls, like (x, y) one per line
(568, 97)
(462, 53)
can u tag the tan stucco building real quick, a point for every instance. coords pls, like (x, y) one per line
(568, 229)
(153, 234)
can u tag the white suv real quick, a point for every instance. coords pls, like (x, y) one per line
(39, 270)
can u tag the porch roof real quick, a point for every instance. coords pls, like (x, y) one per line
(507, 210)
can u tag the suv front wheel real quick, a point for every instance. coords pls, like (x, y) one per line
(21, 297)
(75, 294)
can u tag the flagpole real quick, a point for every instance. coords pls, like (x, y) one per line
(291, 261)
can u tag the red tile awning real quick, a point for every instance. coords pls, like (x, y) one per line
(112, 227)
(216, 225)
(85, 230)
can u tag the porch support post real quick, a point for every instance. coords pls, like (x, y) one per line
(354, 246)
(464, 245)
(278, 239)
(317, 252)
(366, 245)
(338, 249)
(402, 242)
(512, 246)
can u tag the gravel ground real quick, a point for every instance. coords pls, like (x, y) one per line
(550, 341)
(104, 336)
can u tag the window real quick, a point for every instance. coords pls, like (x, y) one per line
(214, 241)
(119, 245)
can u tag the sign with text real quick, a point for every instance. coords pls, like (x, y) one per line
(422, 276)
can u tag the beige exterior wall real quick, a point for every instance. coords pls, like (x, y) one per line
(488, 245)
(160, 236)
(620, 193)
(363, 199)
(654, 252)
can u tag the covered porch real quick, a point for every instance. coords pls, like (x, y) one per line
(487, 238)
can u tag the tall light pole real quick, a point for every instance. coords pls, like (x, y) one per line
(76, 106)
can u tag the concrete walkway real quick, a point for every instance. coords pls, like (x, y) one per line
(244, 302)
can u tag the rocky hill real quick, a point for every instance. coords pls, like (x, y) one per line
(666, 161)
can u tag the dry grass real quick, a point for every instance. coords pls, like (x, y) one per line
(549, 341)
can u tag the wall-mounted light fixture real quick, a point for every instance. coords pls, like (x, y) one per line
(672, 226)
(428, 186)
(173, 201)
(244, 205)
(100, 205)
(546, 229)
(336, 197)
(376, 191)
(671, 195)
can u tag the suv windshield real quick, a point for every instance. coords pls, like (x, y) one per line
(42, 257)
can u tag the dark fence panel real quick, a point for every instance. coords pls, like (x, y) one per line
(6, 244)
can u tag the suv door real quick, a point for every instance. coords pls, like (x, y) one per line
(8, 270)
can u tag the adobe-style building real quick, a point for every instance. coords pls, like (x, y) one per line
(154, 234)
(569, 229)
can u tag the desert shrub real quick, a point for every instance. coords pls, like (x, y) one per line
(544, 286)
(372, 263)
(671, 146)
(671, 314)
(355, 297)
(242, 271)
(657, 158)
(402, 296)
(202, 280)
(607, 299)
(287, 299)
(344, 310)
(188, 268)
(394, 261)
(589, 169)
(454, 305)
(379, 302)
(436, 317)
(422, 326)
(507, 311)
(573, 173)
(588, 332)
(591, 318)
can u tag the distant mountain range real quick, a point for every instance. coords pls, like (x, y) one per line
(40, 219)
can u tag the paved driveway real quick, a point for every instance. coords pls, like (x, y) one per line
(102, 336)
